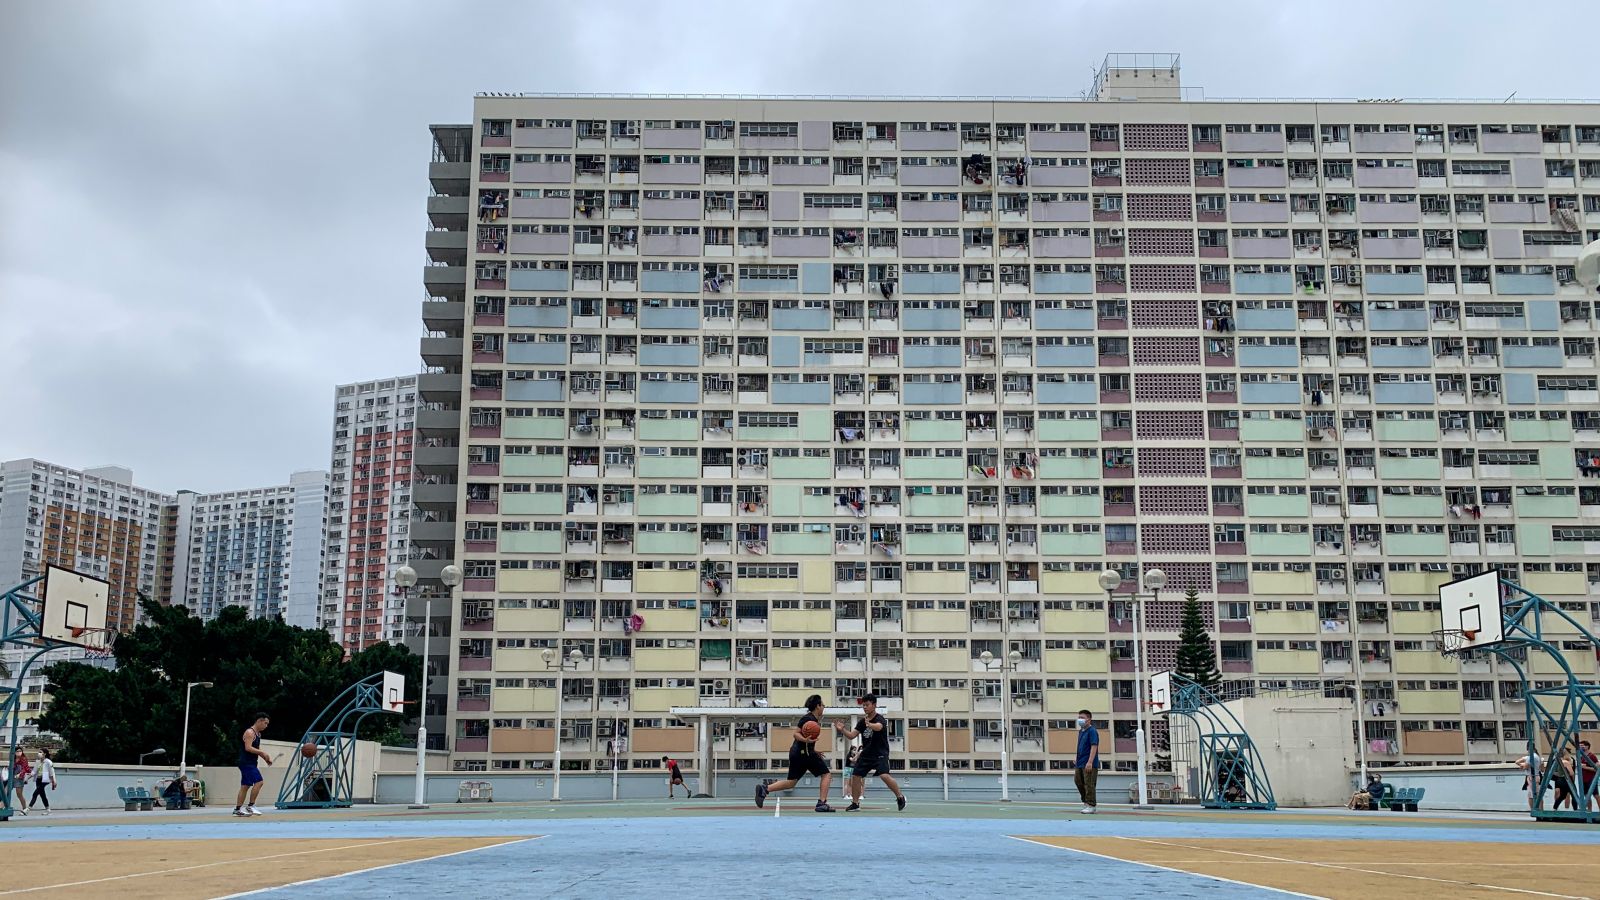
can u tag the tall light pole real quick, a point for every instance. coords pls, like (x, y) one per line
(553, 660)
(944, 748)
(1154, 581)
(183, 752)
(988, 660)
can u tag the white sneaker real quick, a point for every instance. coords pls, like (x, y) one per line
(251, 810)
(1087, 810)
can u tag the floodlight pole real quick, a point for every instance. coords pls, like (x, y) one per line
(1154, 581)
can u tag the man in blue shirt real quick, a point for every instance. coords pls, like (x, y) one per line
(1087, 765)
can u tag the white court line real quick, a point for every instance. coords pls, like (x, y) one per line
(1343, 868)
(1134, 862)
(228, 862)
(404, 862)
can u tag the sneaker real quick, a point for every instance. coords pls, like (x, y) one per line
(852, 807)
(46, 811)
(22, 811)
(823, 807)
(901, 802)
(1087, 810)
(761, 796)
(240, 813)
(251, 810)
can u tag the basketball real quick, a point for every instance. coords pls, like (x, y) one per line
(811, 731)
(308, 749)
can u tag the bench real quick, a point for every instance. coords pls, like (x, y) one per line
(1406, 799)
(135, 799)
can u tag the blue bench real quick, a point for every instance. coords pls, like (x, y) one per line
(1406, 799)
(136, 799)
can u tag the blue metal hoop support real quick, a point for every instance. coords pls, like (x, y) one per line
(1232, 774)
(1555, 711)
(327, 779)
(21, 626)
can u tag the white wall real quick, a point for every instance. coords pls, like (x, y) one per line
(1496, 786)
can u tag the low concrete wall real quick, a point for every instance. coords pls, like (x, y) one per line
(525, 787)
(92, 786)
(1495, 786)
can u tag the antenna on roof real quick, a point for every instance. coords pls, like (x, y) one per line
(1508, 97)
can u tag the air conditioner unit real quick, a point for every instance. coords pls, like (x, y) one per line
(1352, 275)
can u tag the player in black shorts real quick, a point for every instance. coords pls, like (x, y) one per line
(803, 758)
(874, 756)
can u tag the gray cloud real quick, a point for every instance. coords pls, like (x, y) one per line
(213, 212)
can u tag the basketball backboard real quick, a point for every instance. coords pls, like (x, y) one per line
(1161, 692)
(394, 692)
(74, 606)
(1471, 605)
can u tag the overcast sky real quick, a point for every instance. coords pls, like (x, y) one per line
(212, 212)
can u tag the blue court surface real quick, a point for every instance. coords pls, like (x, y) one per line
(665, 849)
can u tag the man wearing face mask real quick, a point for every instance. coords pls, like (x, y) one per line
(1087, 766)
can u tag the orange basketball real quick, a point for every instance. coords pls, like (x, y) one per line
(811, 731)
(308, 749)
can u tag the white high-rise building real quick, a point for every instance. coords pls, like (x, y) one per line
(260, 549)
(369, 511)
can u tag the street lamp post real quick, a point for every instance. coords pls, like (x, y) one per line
(552, 660)
(1006, 668)
(183, 752)
(1154, 581)
(156, 752)
(944, 751)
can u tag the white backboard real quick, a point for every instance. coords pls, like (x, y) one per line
(1161, 692)
(73, 602)
(1473, 604)
(394, 692)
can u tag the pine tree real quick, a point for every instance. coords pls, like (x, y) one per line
(1197, 659)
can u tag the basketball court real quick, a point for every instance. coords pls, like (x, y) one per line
(654, 848)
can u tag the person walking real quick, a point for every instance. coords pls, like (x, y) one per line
(1530, 781)
(1587, 766)
(43, 774)
(804, 758)
(1086, 772)
(250, 755)
(1562, 775)
(20, 770)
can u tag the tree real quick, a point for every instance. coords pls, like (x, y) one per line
(254, 665)
(1197, 660)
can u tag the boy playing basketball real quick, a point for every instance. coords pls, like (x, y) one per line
(803, 758)
(674, 777)
(873, 759)
(250, 753)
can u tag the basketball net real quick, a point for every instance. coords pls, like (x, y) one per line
(97, 643)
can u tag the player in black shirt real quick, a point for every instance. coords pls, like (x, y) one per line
(803, 758)
(874, 756)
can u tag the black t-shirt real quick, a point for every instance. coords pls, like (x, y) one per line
(873, 743)
(804, 747)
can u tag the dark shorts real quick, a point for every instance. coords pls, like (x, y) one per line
(677, 777)
(870, 765)
(249, 775)
(801, 764)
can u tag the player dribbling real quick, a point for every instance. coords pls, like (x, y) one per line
(804, 758)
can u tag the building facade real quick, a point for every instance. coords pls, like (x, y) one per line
(369, 512)
(753, 399)
(260, 549)
(95, 521)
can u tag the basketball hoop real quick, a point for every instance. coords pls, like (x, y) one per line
(97, 643)
(1452, 641)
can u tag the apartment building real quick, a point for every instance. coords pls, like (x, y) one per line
(259, 548)
(748, 399)
(369, 512)
(91, 520)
